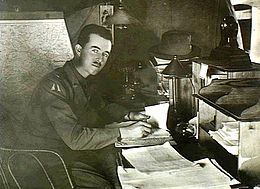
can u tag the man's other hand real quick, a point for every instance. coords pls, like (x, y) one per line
(138, 116)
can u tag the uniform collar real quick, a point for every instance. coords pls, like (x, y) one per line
(74, 76)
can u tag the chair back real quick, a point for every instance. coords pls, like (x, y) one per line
(20, 168)
(27, 168)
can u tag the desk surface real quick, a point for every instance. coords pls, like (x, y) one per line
(205, 148)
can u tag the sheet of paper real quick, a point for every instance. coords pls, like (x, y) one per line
(195, 177)
(227, 136)
(158, 113)
(229, 146)
(203, 71)
(156, 158)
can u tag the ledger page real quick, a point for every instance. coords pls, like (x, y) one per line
(157, 158)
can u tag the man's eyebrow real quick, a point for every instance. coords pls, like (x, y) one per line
(95, 47)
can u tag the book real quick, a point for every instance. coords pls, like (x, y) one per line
(160, 134)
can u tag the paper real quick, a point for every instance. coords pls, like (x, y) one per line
(227, 136)
(195, 177)
(158, 115)
(255, 39)
(161, 167)
(156, 158)
(230, 147)
(203, 71)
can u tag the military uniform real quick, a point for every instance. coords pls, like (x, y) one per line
(68, 115)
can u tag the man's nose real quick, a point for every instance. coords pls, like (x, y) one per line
(99, 58)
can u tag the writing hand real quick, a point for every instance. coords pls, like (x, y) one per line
(136, 130)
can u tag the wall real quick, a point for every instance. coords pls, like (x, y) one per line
(201, 18)
(28, 50)
(80, 18)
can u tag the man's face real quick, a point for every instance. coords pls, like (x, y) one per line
(94, 54)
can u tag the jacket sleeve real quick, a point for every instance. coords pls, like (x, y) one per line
(116, 111)
(65, 122)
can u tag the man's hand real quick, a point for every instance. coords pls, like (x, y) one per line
(136, 129)
(137, 116)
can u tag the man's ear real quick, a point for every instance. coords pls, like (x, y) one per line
(78, 49)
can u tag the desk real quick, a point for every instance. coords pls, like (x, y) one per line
(230, 102)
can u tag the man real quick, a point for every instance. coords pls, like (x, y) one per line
(67, 114)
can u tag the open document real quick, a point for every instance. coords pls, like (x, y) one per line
(158, 115)
(156, 158)
(161, 167)
(158, 119)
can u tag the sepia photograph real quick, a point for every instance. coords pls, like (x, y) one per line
(129, 94)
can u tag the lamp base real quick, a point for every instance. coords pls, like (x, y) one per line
(181, 132)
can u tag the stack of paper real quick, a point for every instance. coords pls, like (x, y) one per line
(227, 136)
(161, 167)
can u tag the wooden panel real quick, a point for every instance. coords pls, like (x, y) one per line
(206, 113)
(249, 145)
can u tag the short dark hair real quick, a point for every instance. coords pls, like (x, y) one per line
(93, 29)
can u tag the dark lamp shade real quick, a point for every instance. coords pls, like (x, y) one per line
(121, 17)
(176, 69)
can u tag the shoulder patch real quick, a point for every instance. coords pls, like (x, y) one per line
(55, 87)
(56, 84)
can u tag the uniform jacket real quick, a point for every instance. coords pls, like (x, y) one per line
(66, 117)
